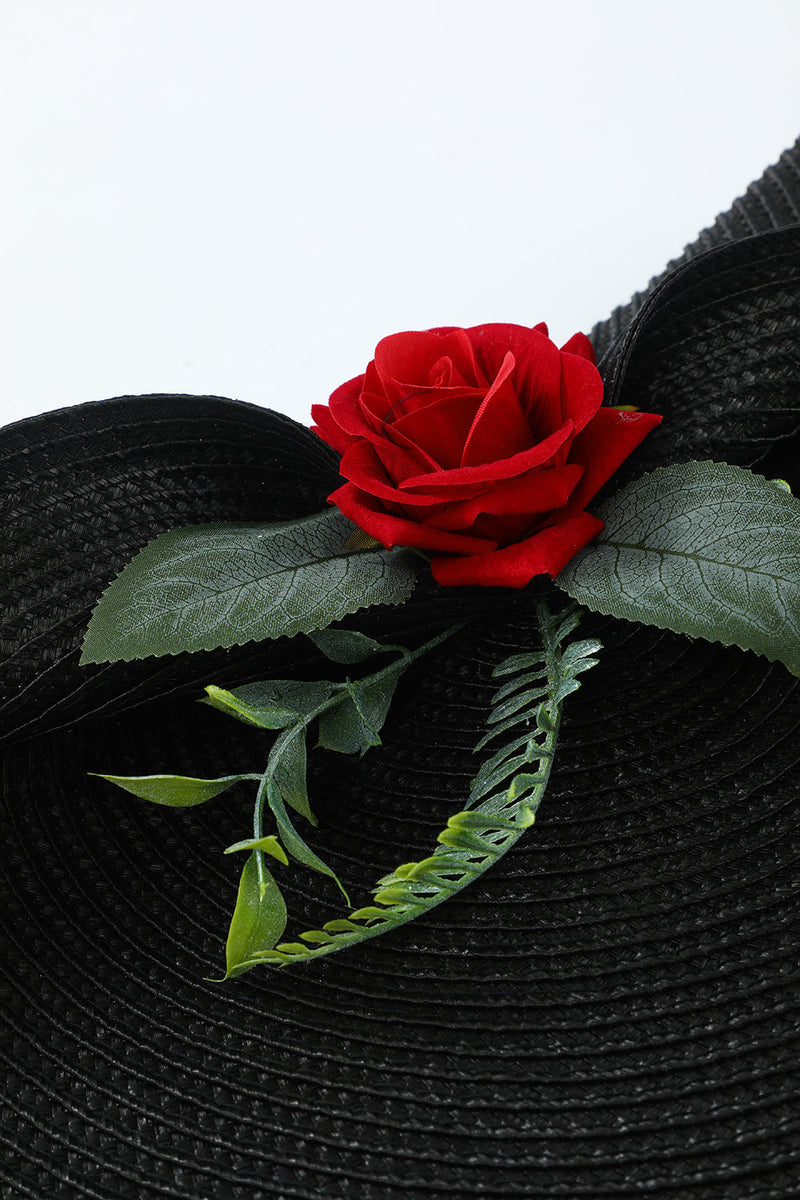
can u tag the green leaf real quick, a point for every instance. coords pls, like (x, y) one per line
(176, 791)
(702, 548)
(292, 839)
(475, 837)
(272, 704)
(259, 917)
(263, 716)
(290, 773)
(353, 725)
(300, 696)
(205, 586)
(269, 844)
(346, 645)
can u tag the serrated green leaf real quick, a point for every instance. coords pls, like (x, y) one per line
(259, 917)
(175, 791)
(205, 586)
(353, 725)
(347, 645)
(706, 549)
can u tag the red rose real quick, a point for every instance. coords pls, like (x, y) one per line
(483, 445)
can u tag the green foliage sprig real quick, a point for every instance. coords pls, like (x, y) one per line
(505, 794)
(348, 718)
(705, 549)
(504, 798)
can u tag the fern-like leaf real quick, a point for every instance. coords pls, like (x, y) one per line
(507, 791)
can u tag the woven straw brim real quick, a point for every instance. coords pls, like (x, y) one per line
(611, 1012)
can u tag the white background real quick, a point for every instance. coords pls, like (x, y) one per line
(241, 198)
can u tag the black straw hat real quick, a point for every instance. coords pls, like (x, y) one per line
(611, 1012)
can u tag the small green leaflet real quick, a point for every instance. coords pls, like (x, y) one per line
(502, 802)
(269, 844)
(701, 548)
(296, 845)
(205, 586)
(354, 724)
(271, 704)
(346, 645)
(290, 773)
(259, 917)
(176, 791)
(287, 708)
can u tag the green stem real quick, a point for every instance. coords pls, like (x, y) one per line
(401, 914)
(475, 838)
(407, 657)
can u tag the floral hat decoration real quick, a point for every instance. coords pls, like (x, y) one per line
(495, 575)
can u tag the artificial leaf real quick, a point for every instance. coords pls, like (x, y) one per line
(300, 696)
(272, 703)
(292, 839)
(290, 773)
(347, 645)
(176, 791)
(706, 549)
(354, 724)
(259, 917)
(204, 586)
(269, 844)
(262, 716)
(476, 837)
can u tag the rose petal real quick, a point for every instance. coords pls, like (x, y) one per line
(581, 389)
(545, 553)
(391, 530)
(398, 462)
(361, 464)
(500, 427)
(398, 437)
(404, 361)
(504, 468)
(537, 377)
(606, 442)
(328, 429)
(579, 344)
(345, 407)
(538, 491)
(441, 427)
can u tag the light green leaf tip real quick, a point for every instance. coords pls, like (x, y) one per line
(263, 717)
(269, 844)
(175, 791)
(259, 917)
(701, 548)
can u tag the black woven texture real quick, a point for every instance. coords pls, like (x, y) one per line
(611, 1012)
(772, 202)
(84, 488)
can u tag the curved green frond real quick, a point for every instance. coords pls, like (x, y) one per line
(505, 794)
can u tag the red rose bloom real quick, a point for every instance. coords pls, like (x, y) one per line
(483, 445)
